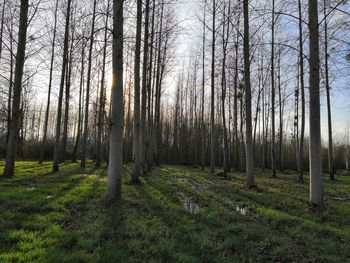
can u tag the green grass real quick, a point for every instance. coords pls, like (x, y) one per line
(177, 214)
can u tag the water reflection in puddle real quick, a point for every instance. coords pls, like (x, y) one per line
(189, 204)
(241, 210)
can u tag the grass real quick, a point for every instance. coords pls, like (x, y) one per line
(177, 214)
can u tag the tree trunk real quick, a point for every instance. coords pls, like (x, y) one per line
(302, 87)
(2, 25)
(67, 98)
(316, 187)
(56, 158)
(88, 84)
(117, 115)
(137, 152)
(329, 109)
(102, 97)
(21, 50)
(203, 92)
(46, 122)
(81, 85)
(143, 134)
(248, 100)
(273, 136)
(212, 109)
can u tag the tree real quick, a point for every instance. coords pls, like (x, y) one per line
(212, 107)
(88, 84)
(273, 93)
(20, 57)
(316, 187)
(143, 133)
(302, 88)
(47, 112)
(56, 158)
(102, 94)
(248, 100)
(329, 109)
(117, 114)
(136, 137)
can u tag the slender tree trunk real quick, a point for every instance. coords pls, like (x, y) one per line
(226, 32)
(67, 99)
(157, 124)
(21, 50)
(47, 112)
(212, 109)
(316, 187)
(235, 108)
(137, 152)
(248, 100)
(203, 91)
(81, 85)
(56, 158)
(329, 108)
(88, 84)
(2, 26)
(302, 87)
(273, 136)
(102, 97)
(280, 103)
(150, 96)
(117, 115)
(143, 134)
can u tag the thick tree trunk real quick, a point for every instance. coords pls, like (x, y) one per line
(56, 158)
(248, 101)
(14, 127)
(117, 115)
(316, 187)
(88, 84)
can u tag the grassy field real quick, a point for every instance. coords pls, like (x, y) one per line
(177, 214)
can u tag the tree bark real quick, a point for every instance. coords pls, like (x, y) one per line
(248, 101)
(102, 97)
(137, 150)
(88, 84)
(117, 115)
(316, 187)
(14, 126)
(273, 135)
(212, 109)
(329, 108)
(302, 87)
(47, 112)
(56, 158)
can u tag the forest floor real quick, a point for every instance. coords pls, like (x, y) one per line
(177, 214)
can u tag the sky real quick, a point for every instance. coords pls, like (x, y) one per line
(188, 12)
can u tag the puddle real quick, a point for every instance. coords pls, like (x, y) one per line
(337, 198)
(49, 196)
(189, 204)
(241, 210)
